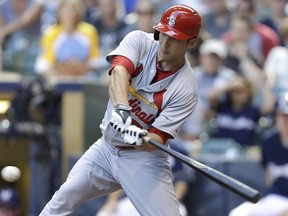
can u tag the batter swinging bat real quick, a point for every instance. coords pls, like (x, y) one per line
(233, 185)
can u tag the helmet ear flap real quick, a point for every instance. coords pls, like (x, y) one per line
(156, 35)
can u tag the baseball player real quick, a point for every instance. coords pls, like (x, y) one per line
(152, 91)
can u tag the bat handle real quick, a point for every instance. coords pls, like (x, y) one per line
(144, 137)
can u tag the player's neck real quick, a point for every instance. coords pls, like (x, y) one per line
(170, 65)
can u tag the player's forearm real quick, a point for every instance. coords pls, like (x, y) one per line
(119, 85)
(268, 99)
(110, 205)
(181, 188)
(115, 196)
(147, 146)
(213, 95)
(268, 179)
(252, 72)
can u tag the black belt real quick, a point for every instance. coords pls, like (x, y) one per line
(125, 147)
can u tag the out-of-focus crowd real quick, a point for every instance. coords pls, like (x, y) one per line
(67, 37)
(240, 63)
(242, 46)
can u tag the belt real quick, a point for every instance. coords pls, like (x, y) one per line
(125, 147)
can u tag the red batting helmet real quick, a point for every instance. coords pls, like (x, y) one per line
(180, 22)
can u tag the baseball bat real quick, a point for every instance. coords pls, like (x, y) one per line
(225, 181)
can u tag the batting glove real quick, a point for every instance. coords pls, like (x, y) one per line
(121, 117)
(133, 135)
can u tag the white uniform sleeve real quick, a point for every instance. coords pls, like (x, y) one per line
(130, 47)
(182, 102)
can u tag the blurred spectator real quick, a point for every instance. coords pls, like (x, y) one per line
(199, 5)
(162, 5)
(278, 10)
(276, 63)
(210, 74)
(48, 12)
(217, 20)
(119, 205)
(92, 10)
(29, 17)
(275, 161)
(130, 5)
(263, 9)
(70, 47)
(12, 10)
(269, 38)
(10, 204)
(193, 55)
(241, 37)
(243, 51)
(236, 115)
(21, 47)
(145, 12)
(111, 30)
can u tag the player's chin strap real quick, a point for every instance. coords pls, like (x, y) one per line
(156, 35)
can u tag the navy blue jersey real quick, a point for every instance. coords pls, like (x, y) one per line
(274, 155)
(238, 125)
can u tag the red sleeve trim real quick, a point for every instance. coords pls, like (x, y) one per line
(164, 136)
(122, 61)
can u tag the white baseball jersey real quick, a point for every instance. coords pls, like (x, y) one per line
(165, 104)
(145, 176)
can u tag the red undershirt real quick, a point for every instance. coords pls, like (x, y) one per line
(160, 75)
